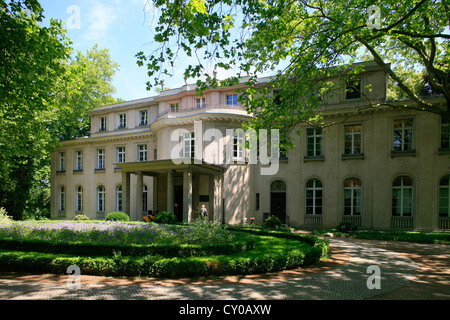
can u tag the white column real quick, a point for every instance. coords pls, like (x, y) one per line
(187, 195)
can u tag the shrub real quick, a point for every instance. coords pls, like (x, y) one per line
(4, 218)
(117, 216)
(346, 227)
(272, 222)
(165, 218)
(81, 217)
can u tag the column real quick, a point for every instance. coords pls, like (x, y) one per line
(139, 193)
(126, 192)
(187, 195)
(170, 192)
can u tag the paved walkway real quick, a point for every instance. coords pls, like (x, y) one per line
(345, 277)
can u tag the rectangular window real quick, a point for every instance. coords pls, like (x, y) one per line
(403, 135)
(122, 121)
(120, 154)
(232, 100)
(445, 134)
(352, 139)
(189, 145)
(143, 117)
(101, 159)
(62, 198)
(79, 200)
(353, 90)
(79, 160)
(174, 107)
(200, 103)
(62, 161)
(142, 152)
(238, 145)
(257, 202)
(314, 142)
(102, 124)
(101, 199)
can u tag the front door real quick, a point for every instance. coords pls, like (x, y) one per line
(278, 205)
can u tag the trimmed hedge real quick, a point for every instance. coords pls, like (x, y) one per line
(159, 266)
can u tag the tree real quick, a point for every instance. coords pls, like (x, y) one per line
(303, 43)
(86, 84)
(31, 60)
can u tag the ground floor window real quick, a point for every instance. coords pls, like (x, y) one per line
(444, 197)
(314, 197)
(100, 198)
(62, 198)
(402, 197)
(79, 199)
(352, 197)
(119, 198)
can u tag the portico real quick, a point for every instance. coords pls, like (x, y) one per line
(191, 183)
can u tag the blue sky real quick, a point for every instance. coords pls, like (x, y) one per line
(121, 26)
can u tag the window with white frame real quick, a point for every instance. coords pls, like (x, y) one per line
(353, 139)
(79, 160)
(232, 99)
(189, 145)
(102, 124)
(352, 197)
(174, 107)
(239, 145)
(403, 135)
(119, 198)
(314, 142)
(444, 197)
(62, 161)
(142, 152)
(101, 199)
(200, 103)
(314, 197)
(143, 117)
(445, 134)
(79, 199)
(402, 197)
(122, 121)
(62, 198)
(120, 154)
(101, 159)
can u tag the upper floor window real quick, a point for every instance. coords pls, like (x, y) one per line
(314, 142)
(402, 197)
(444, 197)
(353, 89)
(142, 152)
(352, 139)
(62, 161)
(403, 135)
(101, 159)
(232, 99)
(122, 121)
(200, 103)
(174, 107)
(120, 154)
(102, 124)
(352, 197)
(445, 134)
(79, 160)
(189, 145)
(143, 117)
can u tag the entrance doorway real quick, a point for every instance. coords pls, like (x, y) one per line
(278, 200)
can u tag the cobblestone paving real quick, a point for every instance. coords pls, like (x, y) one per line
(347, 282)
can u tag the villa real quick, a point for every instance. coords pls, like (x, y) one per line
(383, 168)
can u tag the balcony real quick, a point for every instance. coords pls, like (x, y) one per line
(187, 112)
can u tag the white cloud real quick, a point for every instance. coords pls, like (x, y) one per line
(100, 18)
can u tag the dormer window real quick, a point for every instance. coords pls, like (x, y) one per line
(232, 99)
(102, 124)
(353, 90)
(174, 107)
(143, 117)
(122, 121)
(200, 103)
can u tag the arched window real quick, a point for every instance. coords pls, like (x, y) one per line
(402, 197)
(79, 199)
(314, 197)
(444, 197)
(101, 199)
(119, 198)
(352, 197)
(62, 198)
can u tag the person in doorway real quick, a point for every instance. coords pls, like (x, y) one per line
(203, 212)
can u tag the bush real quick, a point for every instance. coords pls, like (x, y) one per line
(272, 223)
(4, 218)
(117, 216)
(165, 218)
(81, 217)
(346, 227)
